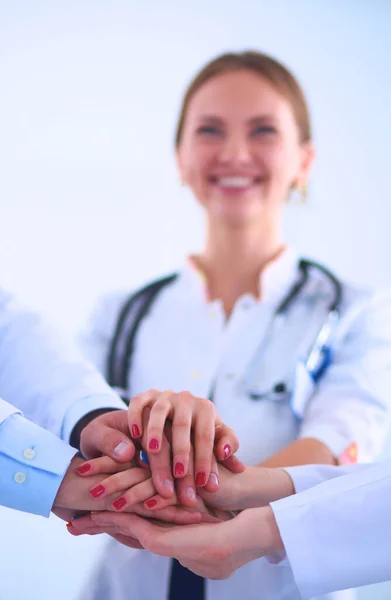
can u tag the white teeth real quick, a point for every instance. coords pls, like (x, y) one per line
(235, 182)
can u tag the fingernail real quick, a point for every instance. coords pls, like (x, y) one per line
(190, 493)
(119, 503)
(150, 503)
(179, 469)
(153, 444)
(227, 450)
(200, 479)
(83, 469)
(121, 449)
(144, 457)
(213, 478)
(135, 431)
(169, 485)
(97, 491)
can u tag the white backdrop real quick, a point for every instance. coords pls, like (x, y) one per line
(90, 201)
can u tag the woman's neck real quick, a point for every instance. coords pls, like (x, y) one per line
(233, 260)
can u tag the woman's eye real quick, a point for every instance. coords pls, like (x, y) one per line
(208, 130)
(263, 130)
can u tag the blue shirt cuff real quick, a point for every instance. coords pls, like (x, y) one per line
(33, 463)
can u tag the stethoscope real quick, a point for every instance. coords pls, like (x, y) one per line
(320, 355)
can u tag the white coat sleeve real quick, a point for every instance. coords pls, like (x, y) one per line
(350, 411)
(44, 374)
(337, 535)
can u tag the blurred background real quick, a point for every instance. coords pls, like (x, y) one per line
(89, 196)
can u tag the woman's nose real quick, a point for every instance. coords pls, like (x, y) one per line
(235, 150)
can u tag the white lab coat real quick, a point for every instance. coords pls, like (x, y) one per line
(43, 374)
(337, 534)
(185, 343)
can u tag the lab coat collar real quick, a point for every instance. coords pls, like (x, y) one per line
(274, 281)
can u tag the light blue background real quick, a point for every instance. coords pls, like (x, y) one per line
(90, 201)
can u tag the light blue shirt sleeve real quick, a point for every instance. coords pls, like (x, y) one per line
(33, 463)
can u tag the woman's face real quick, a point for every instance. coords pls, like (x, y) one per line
(240, 151)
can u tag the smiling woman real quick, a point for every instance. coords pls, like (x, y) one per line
(244, 134)
(243, 143)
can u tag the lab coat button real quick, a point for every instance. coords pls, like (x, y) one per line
(19, 477)
(230, 376)
(29, 453)
(196, 375)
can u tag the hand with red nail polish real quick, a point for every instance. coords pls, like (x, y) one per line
(109, 434)
(188, 418)
(114, 490)
(79, 492)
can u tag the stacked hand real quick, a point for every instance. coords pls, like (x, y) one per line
(193, 479)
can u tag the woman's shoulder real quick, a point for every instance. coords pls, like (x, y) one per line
(109, 306)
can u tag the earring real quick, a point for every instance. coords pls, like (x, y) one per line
(298, 194)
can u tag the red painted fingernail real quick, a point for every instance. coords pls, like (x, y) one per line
(227, 450)
(83, 469)
(153, 444)
(119, 503)
(150, 503)
(179, 469)
(200, 479)
(97, 491)
(135, 431)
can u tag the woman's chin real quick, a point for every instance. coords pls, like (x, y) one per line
(236, 214)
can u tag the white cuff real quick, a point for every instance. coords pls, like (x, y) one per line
(86, 405)
(6, 410)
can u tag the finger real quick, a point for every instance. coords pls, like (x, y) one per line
(234, 465)
(127, 525)
(226, 442)
(159, 412)
(83, 524)
(156, 502)
(160, 465)
(137, 494)
(171, 514)
(126, 540)
(204, 436)
(136, 408)
(185, 487)
(212, 485)
(91, 530)
(112, 531)
(108, 435)
(103, 464)
(181, 433)
(119, 482)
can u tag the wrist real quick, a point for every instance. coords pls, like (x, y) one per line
(258, 486)
(262, 533)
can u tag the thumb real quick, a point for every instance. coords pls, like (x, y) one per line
(105, 435)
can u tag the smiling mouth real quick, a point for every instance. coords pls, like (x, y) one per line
(238, 183)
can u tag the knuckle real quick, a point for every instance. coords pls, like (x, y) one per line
(185, 395)
(181, 422)
(159, 408)
(205, 436)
